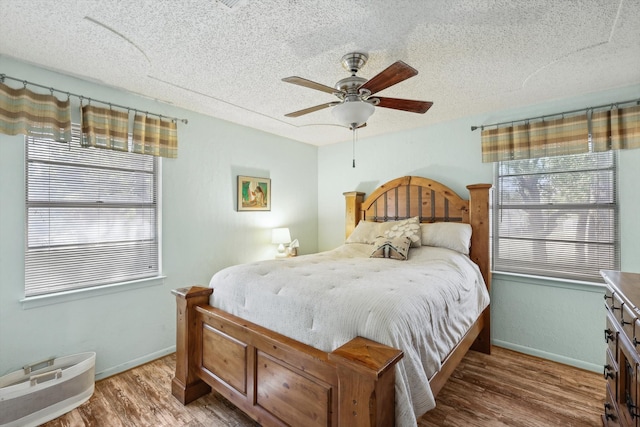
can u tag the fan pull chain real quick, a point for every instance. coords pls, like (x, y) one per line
(353, 128)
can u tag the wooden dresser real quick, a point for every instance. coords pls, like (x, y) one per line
(622, 334)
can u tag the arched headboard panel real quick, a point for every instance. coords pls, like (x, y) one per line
(412, 196)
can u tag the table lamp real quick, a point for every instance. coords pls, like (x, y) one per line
(280, 237)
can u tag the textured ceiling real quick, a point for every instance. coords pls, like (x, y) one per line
(226, 58)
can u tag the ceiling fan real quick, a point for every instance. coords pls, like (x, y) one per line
(356, 101)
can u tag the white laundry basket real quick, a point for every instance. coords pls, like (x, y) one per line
(43, 391)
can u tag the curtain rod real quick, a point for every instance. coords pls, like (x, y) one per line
(610, 104)
(82, 97)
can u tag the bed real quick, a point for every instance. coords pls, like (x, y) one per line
(349, 378)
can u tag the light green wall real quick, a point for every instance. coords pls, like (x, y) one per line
(556, 320)
(201, 233)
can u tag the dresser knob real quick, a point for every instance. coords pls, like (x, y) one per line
(608, 335)
(607, 372)
(607, 415)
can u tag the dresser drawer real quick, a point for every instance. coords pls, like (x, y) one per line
(610, 373)
(611, 334)
(635, 340)
(616, 306)
(608, 299)
(627, 320)
(611, 416)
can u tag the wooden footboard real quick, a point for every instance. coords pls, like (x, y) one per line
(276, 380)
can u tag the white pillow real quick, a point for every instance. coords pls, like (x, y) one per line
(450, 235)
(406, 227)
(365, 232)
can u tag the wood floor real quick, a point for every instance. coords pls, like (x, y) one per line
(504, 389)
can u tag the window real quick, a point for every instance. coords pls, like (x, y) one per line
(91, 216)
(557, 216)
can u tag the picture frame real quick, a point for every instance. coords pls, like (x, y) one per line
(254, 194)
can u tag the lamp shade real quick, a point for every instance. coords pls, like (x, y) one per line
(280, 236)
(353, 113)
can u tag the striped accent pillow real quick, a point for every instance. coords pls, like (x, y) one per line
(394, 248)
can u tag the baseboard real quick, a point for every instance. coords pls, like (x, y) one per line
(504, 344)
(135, 362)
(549, 356)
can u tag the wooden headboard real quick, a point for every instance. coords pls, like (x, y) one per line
(432, 201)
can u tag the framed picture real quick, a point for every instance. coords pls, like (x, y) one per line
(254, 194)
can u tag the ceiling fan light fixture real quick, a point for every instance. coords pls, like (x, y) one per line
(353, 113)
(356, 104)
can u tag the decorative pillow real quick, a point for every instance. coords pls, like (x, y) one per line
(394, 248)
(450, 235)
(407, 227)
(365, 232)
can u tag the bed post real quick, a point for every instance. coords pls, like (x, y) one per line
(366, 383)
(186, 386)
(480, 252)
(353, 210)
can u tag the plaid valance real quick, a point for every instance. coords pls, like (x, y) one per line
(105, 128)
(611, 129)
(109, 128)
(42, 115)
(155, 136)
(616, 129)
(545, 138)
(25, 112)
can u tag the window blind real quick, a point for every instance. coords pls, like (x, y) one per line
(91, 216)
(557, 216)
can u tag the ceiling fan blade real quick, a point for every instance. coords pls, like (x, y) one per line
(311, 109)
(404, 104)
(394, 73)
(308, 83)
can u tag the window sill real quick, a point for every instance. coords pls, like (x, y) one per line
(548, 281)
(77, 294)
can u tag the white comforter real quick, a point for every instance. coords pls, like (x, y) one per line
(422, 306)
